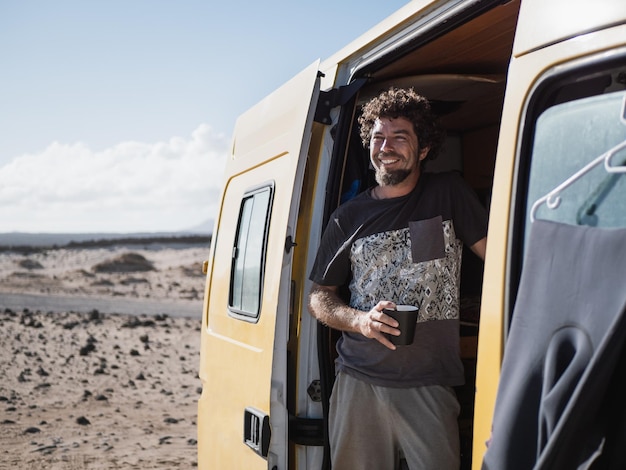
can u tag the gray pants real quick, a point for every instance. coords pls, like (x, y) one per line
(372, 427)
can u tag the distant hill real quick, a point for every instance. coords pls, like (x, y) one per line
(204, 227)
(14, 240)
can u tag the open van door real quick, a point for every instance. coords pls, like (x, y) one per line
(247, 300)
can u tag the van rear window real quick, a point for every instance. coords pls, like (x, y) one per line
(574, 120)
(569, 136)
(246, 284)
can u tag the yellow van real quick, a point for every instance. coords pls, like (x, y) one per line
(531, 93)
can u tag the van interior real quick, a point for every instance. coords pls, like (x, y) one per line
(461, 67)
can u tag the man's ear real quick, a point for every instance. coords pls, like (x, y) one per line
(423, 153)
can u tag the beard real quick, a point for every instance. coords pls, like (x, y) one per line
(391, 178)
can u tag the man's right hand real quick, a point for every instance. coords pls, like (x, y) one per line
(327, 307)
(375, 323)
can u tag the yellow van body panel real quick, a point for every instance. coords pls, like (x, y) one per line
(524, 73)
(548, 22)
(237, 351)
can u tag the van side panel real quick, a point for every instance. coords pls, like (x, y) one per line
(547, 22)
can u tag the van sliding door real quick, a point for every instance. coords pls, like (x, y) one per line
(246, 311)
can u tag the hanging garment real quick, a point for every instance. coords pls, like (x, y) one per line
(560, 402)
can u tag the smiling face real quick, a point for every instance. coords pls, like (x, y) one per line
(395, 153)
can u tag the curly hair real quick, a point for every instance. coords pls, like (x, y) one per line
(401, 102)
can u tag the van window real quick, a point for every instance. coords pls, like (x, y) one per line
(246, 284)
(567, 137)
(572, 120)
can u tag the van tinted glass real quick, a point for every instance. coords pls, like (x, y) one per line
(572, 119)
(249, 253)
(568, 136)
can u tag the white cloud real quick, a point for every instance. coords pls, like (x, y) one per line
(131, 187)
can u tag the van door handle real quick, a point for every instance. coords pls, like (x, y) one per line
(256, 431)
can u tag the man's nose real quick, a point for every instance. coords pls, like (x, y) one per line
(386, 145)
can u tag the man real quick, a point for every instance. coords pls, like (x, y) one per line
(399, 242)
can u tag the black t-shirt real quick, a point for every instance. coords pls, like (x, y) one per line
(407, 250)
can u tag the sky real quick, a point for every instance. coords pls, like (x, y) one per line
(116, 116)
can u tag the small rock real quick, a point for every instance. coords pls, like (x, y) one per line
(86, 349)
(95, 316)
(70, 325)
(22, 377)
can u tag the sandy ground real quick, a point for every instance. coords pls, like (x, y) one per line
(93, 389)
(123, 272)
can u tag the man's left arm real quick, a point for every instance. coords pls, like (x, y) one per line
(480, 247)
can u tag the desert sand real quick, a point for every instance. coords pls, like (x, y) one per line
(100, 388)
